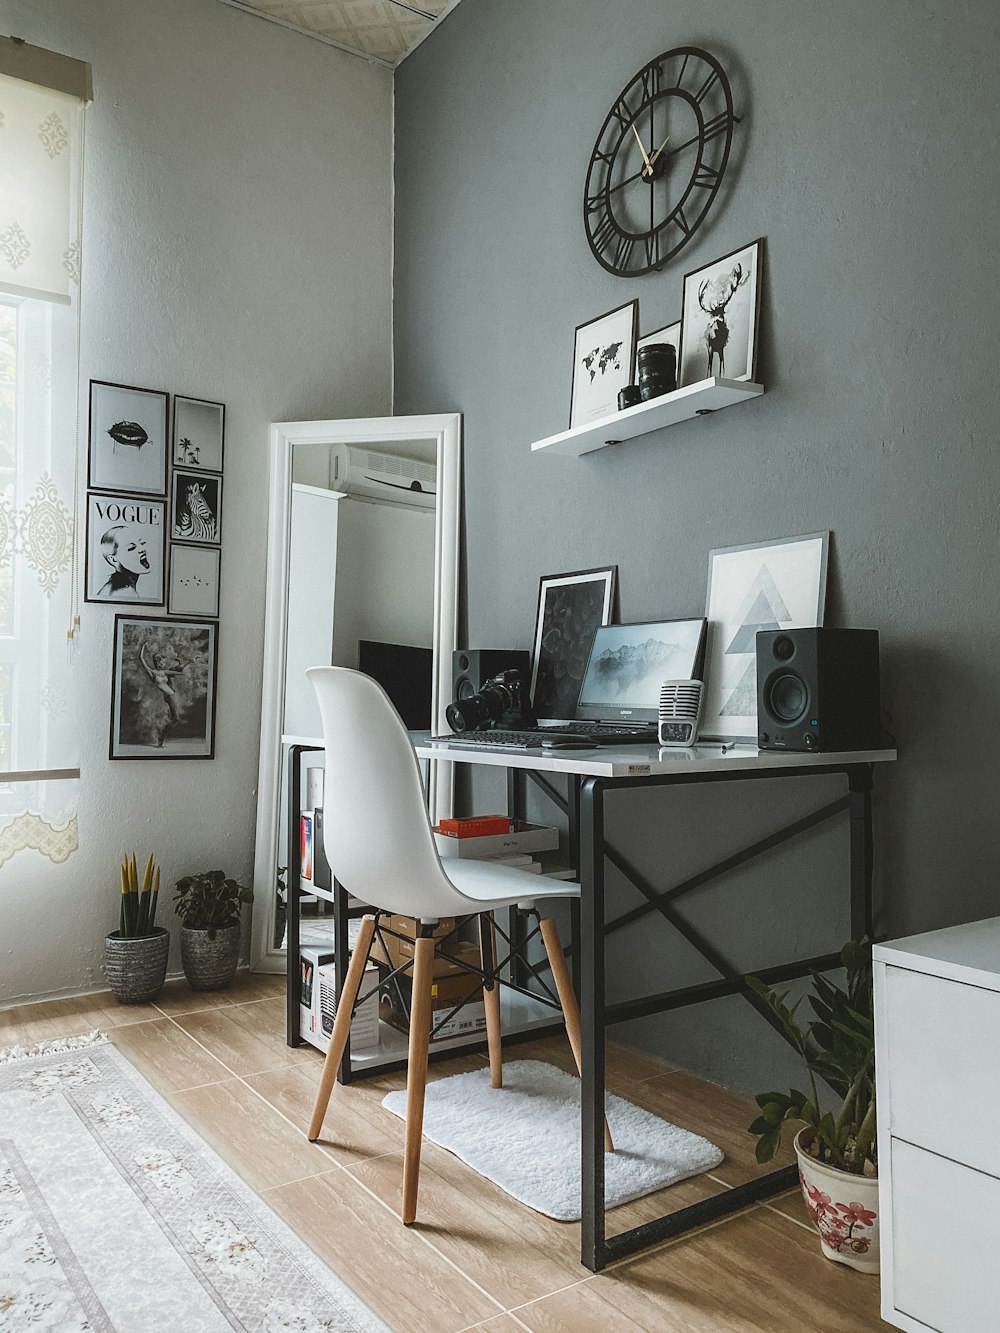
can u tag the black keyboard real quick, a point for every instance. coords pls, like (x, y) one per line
(533, 738)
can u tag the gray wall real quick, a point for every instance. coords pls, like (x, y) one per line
(237, 247)
(867, 157)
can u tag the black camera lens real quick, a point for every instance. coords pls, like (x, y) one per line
(467, 714)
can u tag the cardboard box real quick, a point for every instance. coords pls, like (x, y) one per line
(445, 994)
(318, 1009)
(401, 951)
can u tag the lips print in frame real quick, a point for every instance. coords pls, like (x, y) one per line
(127, 441)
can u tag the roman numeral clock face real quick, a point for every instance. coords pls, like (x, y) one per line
(658, 161)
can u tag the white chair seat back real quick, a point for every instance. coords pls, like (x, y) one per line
(376, 833)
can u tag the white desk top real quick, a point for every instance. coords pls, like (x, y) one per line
(629, 761)
(626, 761)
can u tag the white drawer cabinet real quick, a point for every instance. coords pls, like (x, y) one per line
(937, 1037)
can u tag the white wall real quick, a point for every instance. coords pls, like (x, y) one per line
(385, 577)
(237, 247)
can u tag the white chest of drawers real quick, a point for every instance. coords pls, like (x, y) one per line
(937, 1053)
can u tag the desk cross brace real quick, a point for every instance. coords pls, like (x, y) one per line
(592, 854)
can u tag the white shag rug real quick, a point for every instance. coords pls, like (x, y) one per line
(525, 1137)
(116, 1217)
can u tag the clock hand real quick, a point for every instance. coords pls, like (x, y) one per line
(659, 150)
(642, 150)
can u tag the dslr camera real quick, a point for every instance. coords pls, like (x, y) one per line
(502, 702)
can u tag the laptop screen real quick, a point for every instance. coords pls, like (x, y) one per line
(629, 663)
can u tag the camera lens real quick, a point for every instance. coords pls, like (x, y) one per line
(467, 714)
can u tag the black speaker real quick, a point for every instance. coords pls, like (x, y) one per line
(471, 668)
(818, 689)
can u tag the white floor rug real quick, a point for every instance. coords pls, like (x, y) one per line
(115, 1217)
(525, 1137)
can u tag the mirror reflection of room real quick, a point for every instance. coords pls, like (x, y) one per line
(360, 595)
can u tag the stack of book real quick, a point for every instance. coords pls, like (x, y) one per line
(498, 838)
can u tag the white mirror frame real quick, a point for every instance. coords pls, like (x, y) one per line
(445, 432)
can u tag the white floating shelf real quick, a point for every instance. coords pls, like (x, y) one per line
(681, 405)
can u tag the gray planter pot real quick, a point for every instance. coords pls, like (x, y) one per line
(210, 964)
(136, 968)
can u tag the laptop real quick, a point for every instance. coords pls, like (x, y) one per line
(620, 695)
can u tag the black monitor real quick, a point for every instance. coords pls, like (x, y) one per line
(629, 663)
(406, 674)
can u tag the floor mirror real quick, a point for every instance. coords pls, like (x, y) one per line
(362, 571)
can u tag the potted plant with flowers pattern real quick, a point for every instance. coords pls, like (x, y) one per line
(836, 1148)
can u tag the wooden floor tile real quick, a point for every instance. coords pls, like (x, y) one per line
(247, 1038)
(389, 1266)
(252, 1137)
(355, 1128)
(25, 1024)
(167, 1056)
(177, 997)
(716, 1114)
(757, 1273)
(503, 1323)
(624, 1067)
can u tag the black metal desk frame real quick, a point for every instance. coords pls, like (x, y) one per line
(591, 853)
(585, 809)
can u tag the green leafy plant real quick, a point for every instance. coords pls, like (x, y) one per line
(838, 1049)
(210, 901)
(137, 917)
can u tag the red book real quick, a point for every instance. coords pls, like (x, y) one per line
(480, 826)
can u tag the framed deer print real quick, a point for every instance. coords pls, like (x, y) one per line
(196, 508)
(719, 317)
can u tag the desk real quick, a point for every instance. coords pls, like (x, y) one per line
(592, 774)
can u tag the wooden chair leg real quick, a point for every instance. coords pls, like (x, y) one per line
(491, 998)
(342, 1025)
(416, 1072)
(567, 998)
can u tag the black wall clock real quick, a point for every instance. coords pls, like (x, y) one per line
(658, 161)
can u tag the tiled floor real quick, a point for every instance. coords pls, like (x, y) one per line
(476, 1258)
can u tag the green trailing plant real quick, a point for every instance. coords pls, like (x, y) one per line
(210, 901)
(837, 1047)
(137, 919)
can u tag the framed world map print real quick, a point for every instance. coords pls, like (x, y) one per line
(603, 363)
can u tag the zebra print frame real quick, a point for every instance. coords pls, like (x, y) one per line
(196, 508)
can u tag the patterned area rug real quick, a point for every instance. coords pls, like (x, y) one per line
(115, 1217)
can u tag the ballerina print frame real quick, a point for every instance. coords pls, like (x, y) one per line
(163, 692)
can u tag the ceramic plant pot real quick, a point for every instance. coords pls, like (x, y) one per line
(209, 957)
(136, 968)
(843, 1208)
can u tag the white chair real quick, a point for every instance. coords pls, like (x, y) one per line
(379, 843)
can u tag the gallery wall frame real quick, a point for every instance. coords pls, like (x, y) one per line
(164, 686)
(123, 420)
(193, 581)
(722, 319)
(199, 434)
(125, 549)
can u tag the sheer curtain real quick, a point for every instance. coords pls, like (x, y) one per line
(41, 162)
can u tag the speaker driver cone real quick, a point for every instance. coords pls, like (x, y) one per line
(787, 698)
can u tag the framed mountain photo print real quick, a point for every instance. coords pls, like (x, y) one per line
(603, 363)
